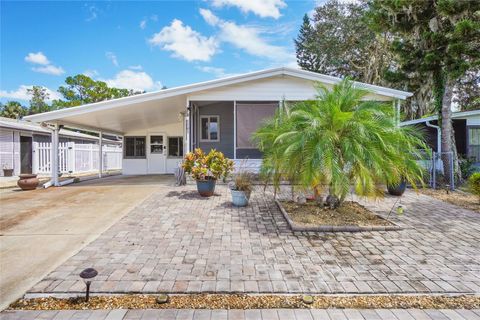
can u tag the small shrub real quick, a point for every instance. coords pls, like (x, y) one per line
(474, 184)
(242, 181)
(212, 165)
(467, 167)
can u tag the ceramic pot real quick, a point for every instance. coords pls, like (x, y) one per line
(397, 190)
(28, 181)
(240, 198)
(206, 188)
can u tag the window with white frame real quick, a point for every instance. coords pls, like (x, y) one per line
(209, 128)
(175, 146)
(134, 148)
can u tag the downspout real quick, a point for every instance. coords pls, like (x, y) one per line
(439, 135)
(439, 151)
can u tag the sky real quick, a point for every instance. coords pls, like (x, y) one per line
(142, 45)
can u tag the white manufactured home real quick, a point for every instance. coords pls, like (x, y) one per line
(159, 127)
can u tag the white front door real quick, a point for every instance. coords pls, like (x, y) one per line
(157, 153)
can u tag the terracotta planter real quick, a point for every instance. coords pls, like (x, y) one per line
(28, 181)
(7, 172)
(206, 188)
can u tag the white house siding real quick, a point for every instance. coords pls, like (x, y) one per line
(6, 150)
(141, 166)
(473, 120)
(272, 89)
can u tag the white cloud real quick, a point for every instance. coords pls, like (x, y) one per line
(136, 80)
(112, 57)
(184, 42)
(247, 38)
(143, 23)
(92, 10)
(45, 65)
(50, 69)
(262, 8)
(91, 73)
(22, 94)
(209, 17)
(137, 67)
(37, 58)
(217, 72)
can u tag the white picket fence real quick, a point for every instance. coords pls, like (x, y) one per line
(76, 158)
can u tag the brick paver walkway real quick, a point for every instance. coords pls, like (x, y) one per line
(265, 314)
(176, 241)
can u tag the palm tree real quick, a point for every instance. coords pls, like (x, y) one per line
(340, 141)
(13, 109)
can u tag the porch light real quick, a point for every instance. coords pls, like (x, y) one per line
(87, 275)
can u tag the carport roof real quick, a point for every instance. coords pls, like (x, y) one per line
(106, 115)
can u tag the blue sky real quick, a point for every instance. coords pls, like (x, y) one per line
(142, 45)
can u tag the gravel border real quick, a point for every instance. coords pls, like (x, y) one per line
(237, 301)
(323, 228)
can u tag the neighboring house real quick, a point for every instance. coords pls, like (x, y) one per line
(25, 147)
(466, 126)
(159, 127)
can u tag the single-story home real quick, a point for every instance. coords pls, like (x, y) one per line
(466, 125)
(159, 127)
(25, 147)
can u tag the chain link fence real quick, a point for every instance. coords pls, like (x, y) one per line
(442, 170)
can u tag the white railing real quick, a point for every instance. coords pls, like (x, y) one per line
(75, 158)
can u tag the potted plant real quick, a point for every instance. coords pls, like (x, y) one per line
(397, 189)
(7, 172)
(206, 169)
(241, 188)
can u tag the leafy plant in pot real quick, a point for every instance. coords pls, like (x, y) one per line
(241, 188)
(206, 168)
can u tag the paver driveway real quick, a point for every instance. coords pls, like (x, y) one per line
(176, 241)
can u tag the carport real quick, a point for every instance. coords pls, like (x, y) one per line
(158, 127)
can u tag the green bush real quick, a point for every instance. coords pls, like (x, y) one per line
(474, 184)
(338, 141)
(467, 167)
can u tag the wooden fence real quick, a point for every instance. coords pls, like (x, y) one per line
(76, 158)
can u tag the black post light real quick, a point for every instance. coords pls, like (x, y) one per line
(87, 275)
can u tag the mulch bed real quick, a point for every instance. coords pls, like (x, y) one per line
(459, 198)
(235, 301)
(349, 213)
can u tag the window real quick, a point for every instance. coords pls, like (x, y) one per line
(175, 146)
(210, 128)
(156, 144)
(474, 143)
(135, 147)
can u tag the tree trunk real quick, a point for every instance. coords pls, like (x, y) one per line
(447, 129)
(318, 196)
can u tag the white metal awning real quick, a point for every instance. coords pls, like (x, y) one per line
(152, 109)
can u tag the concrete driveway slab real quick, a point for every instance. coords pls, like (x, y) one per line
(40, 229)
